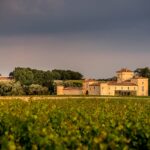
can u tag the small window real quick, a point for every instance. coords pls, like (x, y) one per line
(128, 88)
(142, 83)
(121, 88)
(142, 88)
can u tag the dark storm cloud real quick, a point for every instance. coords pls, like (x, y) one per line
(89, 33)
(60, 16)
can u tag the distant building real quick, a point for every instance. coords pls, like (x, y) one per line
(61, 90)
(127, 84)
(5, 79)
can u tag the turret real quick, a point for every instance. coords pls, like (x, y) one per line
(124, 74)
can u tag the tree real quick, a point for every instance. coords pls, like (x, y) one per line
(5, 89)
(36, 89)
(56, 75)
(24, 75)
(11, 88)
(38, 76)
(68, 74)
(144, 72)
(11, 74)
(28, 76)
(17, 89)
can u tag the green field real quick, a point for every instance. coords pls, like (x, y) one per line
(75, 123)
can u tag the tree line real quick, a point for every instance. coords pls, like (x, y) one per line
(28, 81)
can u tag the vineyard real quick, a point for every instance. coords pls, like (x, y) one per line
(82, 124)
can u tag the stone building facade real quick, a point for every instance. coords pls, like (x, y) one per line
(61, 90)
(127, 84)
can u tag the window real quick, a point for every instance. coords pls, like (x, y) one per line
(121, 88)
(142, 83)
(142, 88)
(128, 88)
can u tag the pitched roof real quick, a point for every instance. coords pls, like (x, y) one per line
(121, 83)
(139, 77)
(124, 70)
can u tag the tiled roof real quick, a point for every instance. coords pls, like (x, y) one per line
(124, 70)
(122, 83)
(137, 77)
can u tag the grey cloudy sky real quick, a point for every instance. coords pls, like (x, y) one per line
(95, 37)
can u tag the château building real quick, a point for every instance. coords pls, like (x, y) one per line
(127, 84)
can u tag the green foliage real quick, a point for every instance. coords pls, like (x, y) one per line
(72, 83)
(36, 89)
(68, 74)
(144, 72)
(17, 89)
(109, 79)
(38, 76)
(11, 88)
(28, 76)
(75, 124)
(5, 89)
(23, 75)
